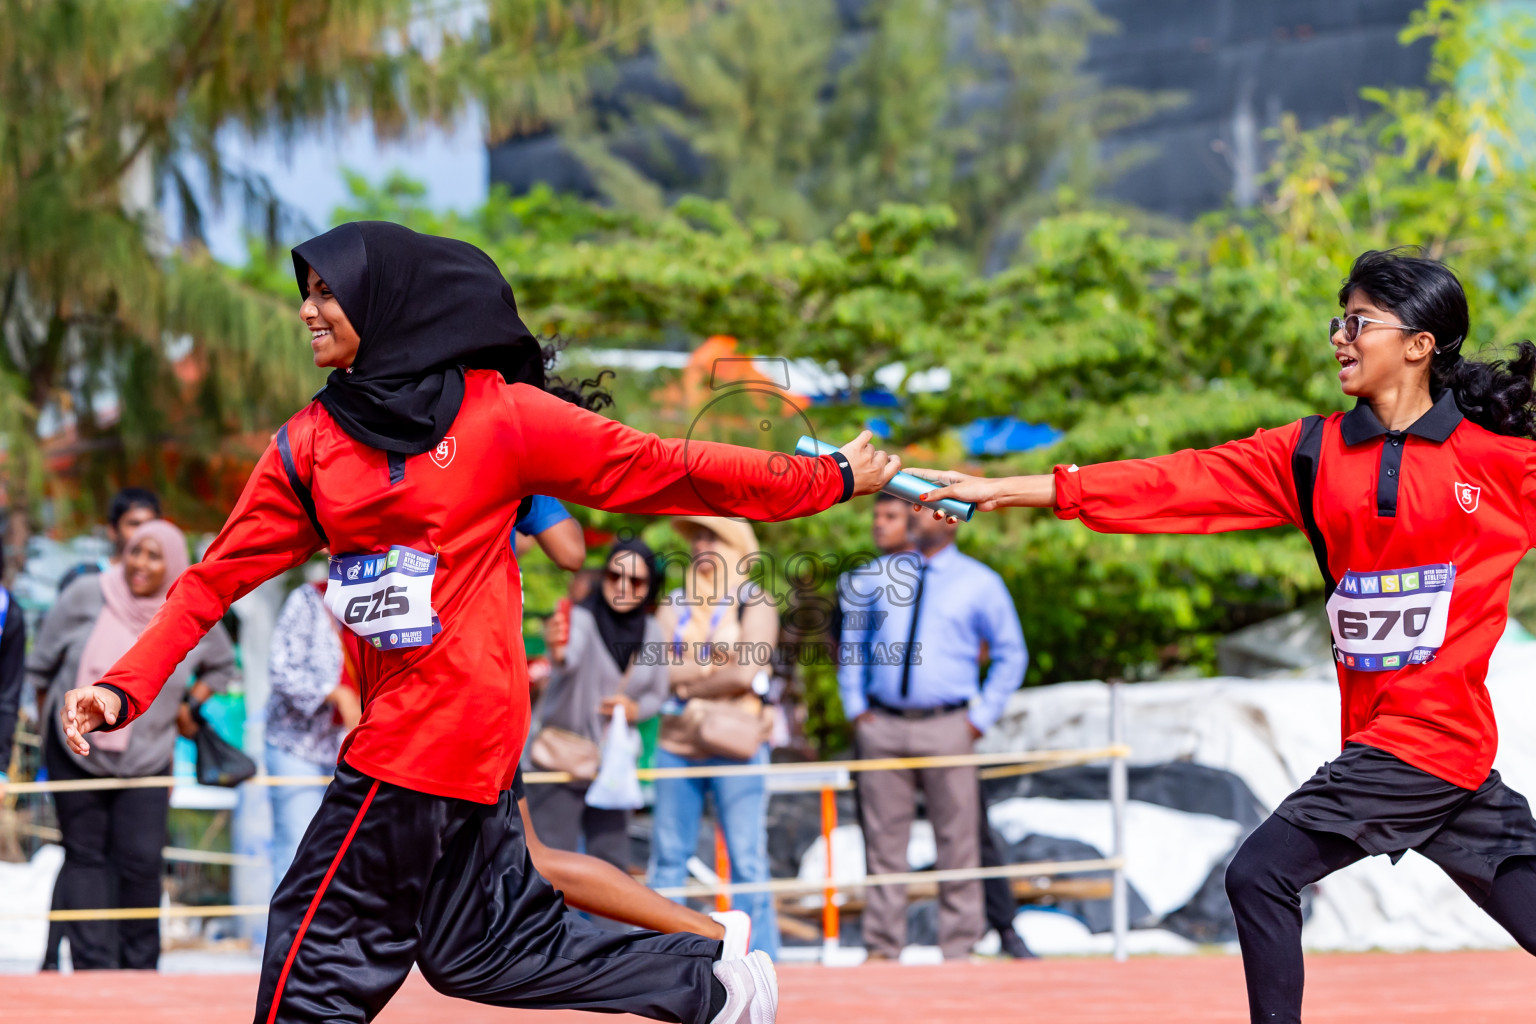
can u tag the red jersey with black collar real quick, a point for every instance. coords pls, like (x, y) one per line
(450, 717)
(1439, 512)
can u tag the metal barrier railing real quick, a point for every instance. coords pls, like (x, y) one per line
(819, 776)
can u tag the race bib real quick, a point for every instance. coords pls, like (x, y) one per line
(1388, 620)
(385, 598)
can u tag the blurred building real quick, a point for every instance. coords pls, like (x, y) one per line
(1237, 64)
(1240, 65)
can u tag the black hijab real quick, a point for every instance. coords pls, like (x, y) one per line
(425, 308)
(623, 632)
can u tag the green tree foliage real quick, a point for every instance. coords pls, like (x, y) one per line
(111, 112)
(1133, 344)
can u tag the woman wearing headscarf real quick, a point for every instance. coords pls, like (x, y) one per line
(716, 623)
(410, 465)
(600, 666)
(113, 837)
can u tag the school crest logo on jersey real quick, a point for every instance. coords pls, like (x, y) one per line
(1466, 496)
(444, 452)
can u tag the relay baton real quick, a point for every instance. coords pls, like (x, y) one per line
(905, 486)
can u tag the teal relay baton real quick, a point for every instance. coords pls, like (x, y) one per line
(903, 485)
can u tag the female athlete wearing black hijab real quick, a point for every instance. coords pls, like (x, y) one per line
(410, 466)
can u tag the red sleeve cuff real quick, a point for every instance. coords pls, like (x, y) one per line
(1069, 492)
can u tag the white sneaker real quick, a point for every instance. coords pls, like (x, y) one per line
(738, 933)
(751, 990)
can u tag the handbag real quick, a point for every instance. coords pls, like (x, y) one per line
(219, 762)
(723, 728)
(720, 727)
(559, 750)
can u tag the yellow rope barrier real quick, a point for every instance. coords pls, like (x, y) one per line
(997, 766)
(779, 886)
(1016, 764)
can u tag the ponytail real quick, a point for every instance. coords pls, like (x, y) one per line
(1495, 394)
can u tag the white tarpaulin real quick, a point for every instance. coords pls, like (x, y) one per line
(26, 893)
(1176, 850)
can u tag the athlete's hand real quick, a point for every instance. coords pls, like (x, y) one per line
(87, 709)
(984, 492)
(988, 494)
(872, 468)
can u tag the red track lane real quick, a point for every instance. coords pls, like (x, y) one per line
(1413, 988)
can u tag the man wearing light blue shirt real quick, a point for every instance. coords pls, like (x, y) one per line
(914, 628)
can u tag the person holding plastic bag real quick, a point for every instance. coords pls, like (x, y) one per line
(598, 667)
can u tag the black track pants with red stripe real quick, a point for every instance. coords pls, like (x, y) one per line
(388, 877)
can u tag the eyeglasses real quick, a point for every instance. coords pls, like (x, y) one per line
(614, 576)
(1354, 323)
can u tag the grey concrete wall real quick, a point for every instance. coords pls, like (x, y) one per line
(1240, 64)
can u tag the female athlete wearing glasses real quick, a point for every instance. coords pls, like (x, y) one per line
(1419, 502)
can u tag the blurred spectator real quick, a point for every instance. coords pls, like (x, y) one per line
(584, 584)
(312, 704)
(932, 610)
(596, 666)
(113, 837)
(715, 714)
(130, 509)
(13, 649)
(890, 527)
(891, 524)
(544, 520)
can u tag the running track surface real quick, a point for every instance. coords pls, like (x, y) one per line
(1413, 988)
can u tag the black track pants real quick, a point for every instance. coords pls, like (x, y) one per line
(1265, 881)
(388, 877)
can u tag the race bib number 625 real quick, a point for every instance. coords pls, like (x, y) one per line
(384, 598)
(1391, 619)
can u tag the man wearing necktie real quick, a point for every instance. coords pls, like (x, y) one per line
(915, 625)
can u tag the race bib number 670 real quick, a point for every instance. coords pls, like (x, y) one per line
(1391, 619)
(384, 598)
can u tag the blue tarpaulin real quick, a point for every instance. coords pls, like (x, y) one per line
(1003, 435)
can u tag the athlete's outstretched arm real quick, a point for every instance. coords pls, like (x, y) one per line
(600, 888)
(558, 449)
(1241, 485)
(267, 534)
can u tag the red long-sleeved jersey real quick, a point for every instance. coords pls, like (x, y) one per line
(450, 718)
(1397, 510)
